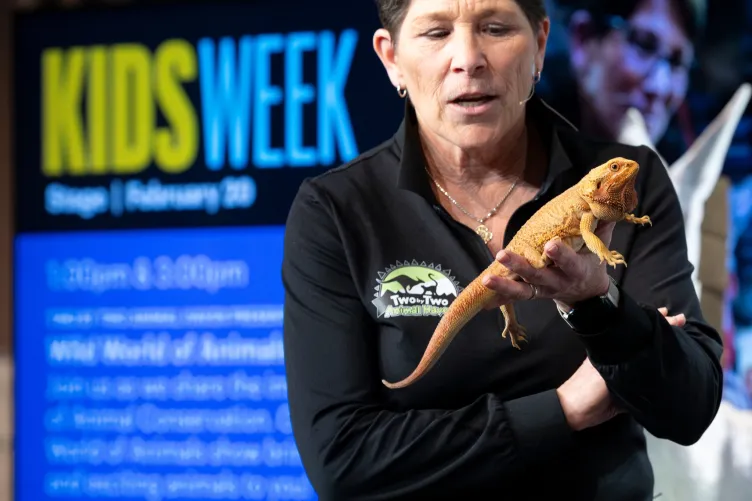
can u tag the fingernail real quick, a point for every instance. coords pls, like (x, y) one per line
(552, 248)
(502, 257)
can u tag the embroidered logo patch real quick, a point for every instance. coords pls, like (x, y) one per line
(412, 289)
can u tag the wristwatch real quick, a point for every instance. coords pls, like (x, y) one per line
(596, 314)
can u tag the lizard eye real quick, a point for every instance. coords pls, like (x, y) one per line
(614, 167)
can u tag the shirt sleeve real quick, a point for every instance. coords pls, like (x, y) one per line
(352, 444)
(668, 378)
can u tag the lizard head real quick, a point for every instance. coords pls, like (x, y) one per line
(611, 186)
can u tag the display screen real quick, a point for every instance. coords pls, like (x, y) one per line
(151, 367)
(158, 148)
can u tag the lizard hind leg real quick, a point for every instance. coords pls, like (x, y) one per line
(516, 331)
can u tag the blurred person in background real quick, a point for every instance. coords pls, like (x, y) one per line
(624, 54)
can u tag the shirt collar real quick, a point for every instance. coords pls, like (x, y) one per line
(412, 172)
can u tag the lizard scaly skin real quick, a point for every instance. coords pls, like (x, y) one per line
(606, 193)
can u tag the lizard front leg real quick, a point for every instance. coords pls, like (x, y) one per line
(595, 244)
(631, 218)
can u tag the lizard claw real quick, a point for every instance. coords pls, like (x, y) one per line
(517, 333)
(639, 220)
(613, 258)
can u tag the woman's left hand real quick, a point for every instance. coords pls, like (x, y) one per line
(574, 276)
(676, 320)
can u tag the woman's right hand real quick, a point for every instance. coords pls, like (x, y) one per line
(585, 398)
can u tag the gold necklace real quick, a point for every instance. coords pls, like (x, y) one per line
(482, 230)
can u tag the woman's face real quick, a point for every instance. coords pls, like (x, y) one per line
(466, 65)
(642, 63)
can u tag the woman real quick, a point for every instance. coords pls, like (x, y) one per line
(377, 249)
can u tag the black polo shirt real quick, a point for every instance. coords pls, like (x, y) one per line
(371, 262)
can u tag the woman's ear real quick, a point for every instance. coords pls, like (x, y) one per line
(541, 41)
(385, 49)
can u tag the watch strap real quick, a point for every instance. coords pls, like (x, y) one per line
(596, 314)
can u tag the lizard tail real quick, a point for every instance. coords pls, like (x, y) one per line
(468, 304)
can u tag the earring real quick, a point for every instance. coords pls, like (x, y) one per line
(402, 92)
(536, 79)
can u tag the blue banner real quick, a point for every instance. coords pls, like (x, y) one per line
(153, 371)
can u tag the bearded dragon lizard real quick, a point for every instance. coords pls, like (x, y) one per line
(606, 193)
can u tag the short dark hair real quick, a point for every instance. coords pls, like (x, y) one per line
(392, 13)
(691, 12)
